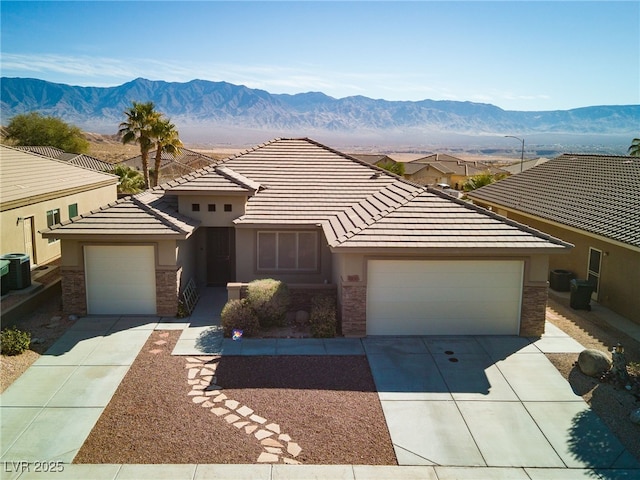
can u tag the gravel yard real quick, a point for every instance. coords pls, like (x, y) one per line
(320, 410)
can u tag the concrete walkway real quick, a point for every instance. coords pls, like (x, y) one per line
(456, 407)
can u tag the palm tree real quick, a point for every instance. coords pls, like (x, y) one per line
(137, 129)
(166, 139)
(131, 181)
(634, 149)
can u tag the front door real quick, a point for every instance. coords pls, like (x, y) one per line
(220, 256)
(593, 270)
(29, 243)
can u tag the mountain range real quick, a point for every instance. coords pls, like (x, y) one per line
(199, 105)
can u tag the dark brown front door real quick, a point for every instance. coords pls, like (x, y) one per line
(220, 256)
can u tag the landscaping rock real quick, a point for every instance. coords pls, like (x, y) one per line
(302, 317)
(593, 362)
(635, 416)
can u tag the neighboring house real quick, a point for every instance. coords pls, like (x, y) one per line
(402, 259)
(592, 201)
(37, 192)
(77, 159)
(444, 169)
(518, 167)
(171, 167)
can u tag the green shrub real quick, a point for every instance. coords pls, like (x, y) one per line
(238, 315)
(323, 317)
(270, 300)
(14, 341)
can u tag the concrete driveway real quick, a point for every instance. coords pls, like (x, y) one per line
(487, 402)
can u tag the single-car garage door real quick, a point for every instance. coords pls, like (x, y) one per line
(120, 279)
(444, 297)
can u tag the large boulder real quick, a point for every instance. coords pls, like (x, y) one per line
(593, 362)
(635, 416)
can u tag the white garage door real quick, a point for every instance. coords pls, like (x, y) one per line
(120, 279)
(457, 297)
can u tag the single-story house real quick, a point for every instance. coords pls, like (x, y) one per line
(403, 259)
(592, 201)
(441, 168)
(37, 192)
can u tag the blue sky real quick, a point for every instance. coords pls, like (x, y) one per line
(518, 55)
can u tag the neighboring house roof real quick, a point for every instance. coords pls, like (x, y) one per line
(515, 168)
(450, 165)
(599, 194)
(150, 214)
(78, 159)
(27, 178)
(184, 159)
(52, 152)
(301, 182)
(370, 158)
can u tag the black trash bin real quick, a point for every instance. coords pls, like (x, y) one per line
(581, 291)
(559, 280)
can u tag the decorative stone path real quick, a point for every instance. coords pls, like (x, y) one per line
(278, 447)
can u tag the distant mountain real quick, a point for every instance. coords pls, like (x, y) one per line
(203, 104)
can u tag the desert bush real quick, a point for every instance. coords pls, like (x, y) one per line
(14, 341)
(270, 300)
(238, 315)
(323, 317)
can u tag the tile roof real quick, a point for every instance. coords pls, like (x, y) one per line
(213, 179)
(451, 165)
(184, 159)
(78, 159)
(304, 182)
(599, 194)
(150, 214)
(301, 182)
(432, 219)
(27, 178)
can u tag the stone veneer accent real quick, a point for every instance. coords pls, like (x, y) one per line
(166, 292)
(354, 309)
(534, 305)
(74, 293)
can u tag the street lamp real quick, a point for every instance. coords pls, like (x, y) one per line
(521, 152)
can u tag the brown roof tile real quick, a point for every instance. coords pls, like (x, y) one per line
(599, 194)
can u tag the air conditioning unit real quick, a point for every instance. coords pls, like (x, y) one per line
(19, 275)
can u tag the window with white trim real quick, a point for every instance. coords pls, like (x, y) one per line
(290, 251)
(53, 218)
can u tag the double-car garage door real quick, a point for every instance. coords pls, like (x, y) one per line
(444, 297)
(120, 279)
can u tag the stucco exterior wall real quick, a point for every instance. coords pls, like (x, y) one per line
(619, 278)
(12, 230)
(246, 262)
(219, 218)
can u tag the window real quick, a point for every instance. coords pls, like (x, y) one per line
(73, 210)
(227, 207)
(288, 251)
(195, 207)
(53, 218)
(212, 207)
